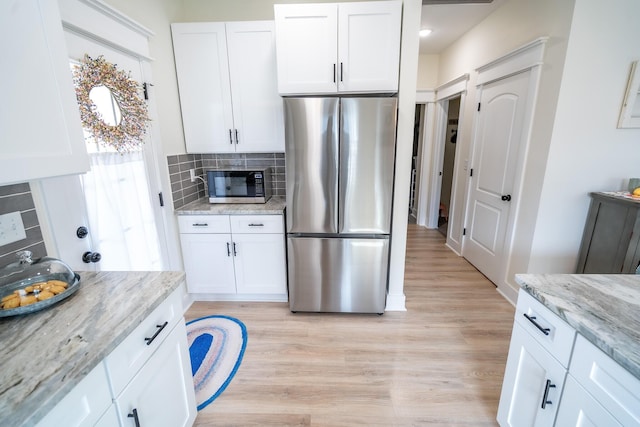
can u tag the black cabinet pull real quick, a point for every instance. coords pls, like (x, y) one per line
(256, 225)
(334, 73)
(230, 137)
(506, 198)
(134, 415)
(160, 328)
(237, 140)
(235, 253)
(545, 397)
(532, 319)
(200, 224)
(228, 249)
(341, 72)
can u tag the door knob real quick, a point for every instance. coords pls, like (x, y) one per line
(88, 257)
(82, 232)
(506, 198)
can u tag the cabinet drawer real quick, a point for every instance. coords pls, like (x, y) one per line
(547, 328)
(195, 224)
(135, 350)
(257, 224)
(617, 390)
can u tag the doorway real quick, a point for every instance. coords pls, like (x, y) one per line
(121, 223)
(448, 161)
(414, 186)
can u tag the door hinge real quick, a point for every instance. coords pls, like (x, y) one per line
(161, 198)
(145, 88)
(478, 106)
(464, 231)
(471, 172)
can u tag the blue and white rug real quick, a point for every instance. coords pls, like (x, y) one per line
(216, 347)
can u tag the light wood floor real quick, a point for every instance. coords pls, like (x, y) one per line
(440, 363)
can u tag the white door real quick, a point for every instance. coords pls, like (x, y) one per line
(113, 201)
(500, 135)
(578, 408)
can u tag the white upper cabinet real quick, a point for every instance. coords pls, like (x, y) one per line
(228, 92)
(40, 130)
(338, 47)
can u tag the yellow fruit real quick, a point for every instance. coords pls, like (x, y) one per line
(636, 192)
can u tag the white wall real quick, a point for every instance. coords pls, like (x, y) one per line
(588, 153)
(428, 71)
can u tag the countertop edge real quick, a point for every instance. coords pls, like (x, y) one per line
(584, 324)
(274, 206)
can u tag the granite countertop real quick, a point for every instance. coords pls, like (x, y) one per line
(604, 308)
(275, 206)
(43, 355)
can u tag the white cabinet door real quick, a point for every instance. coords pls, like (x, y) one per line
(307, 40)
(228, 91)
(257, 106)
(369, 46)
(578, 408)
(533, 383)
(200, 51)
(208, 263)
(40, 130)
(109, 419)
(259, 263)
(161, 394)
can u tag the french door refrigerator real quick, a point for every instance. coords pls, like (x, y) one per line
(340, 157)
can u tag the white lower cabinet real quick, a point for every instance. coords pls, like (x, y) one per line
(84, 405)
(234, 256)
(161, 394)
(147, 376)
(533, 382)
(580, 409)
(591, 389)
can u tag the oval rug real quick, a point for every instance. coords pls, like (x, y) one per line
(216, 347)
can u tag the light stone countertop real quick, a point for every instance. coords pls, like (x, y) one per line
(274, 206)
(43, 355)
(604, 308)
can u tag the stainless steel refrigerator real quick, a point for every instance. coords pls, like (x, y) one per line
(340, 157)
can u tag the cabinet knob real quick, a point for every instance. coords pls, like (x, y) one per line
(506, 198)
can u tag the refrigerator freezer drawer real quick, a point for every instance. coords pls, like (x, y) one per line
(338, 274)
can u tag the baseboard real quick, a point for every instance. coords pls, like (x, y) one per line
(240, 297)
(396, 302)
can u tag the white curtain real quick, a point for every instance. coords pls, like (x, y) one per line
(121, 220)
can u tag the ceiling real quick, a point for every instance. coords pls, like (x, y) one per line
(449, 20)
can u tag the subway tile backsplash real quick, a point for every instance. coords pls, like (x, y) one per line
(184, 191)
(14, 198)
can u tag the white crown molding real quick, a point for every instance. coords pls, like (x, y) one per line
(520, 59)
(452, 87)
(424, 96)
(116, 15)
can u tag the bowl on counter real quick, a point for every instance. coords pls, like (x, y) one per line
(28, 285)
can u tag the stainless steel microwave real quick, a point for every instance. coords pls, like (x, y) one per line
(239, 186)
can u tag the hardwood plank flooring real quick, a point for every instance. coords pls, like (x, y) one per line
(440, 363)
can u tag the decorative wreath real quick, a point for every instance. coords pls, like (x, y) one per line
(128, 134)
